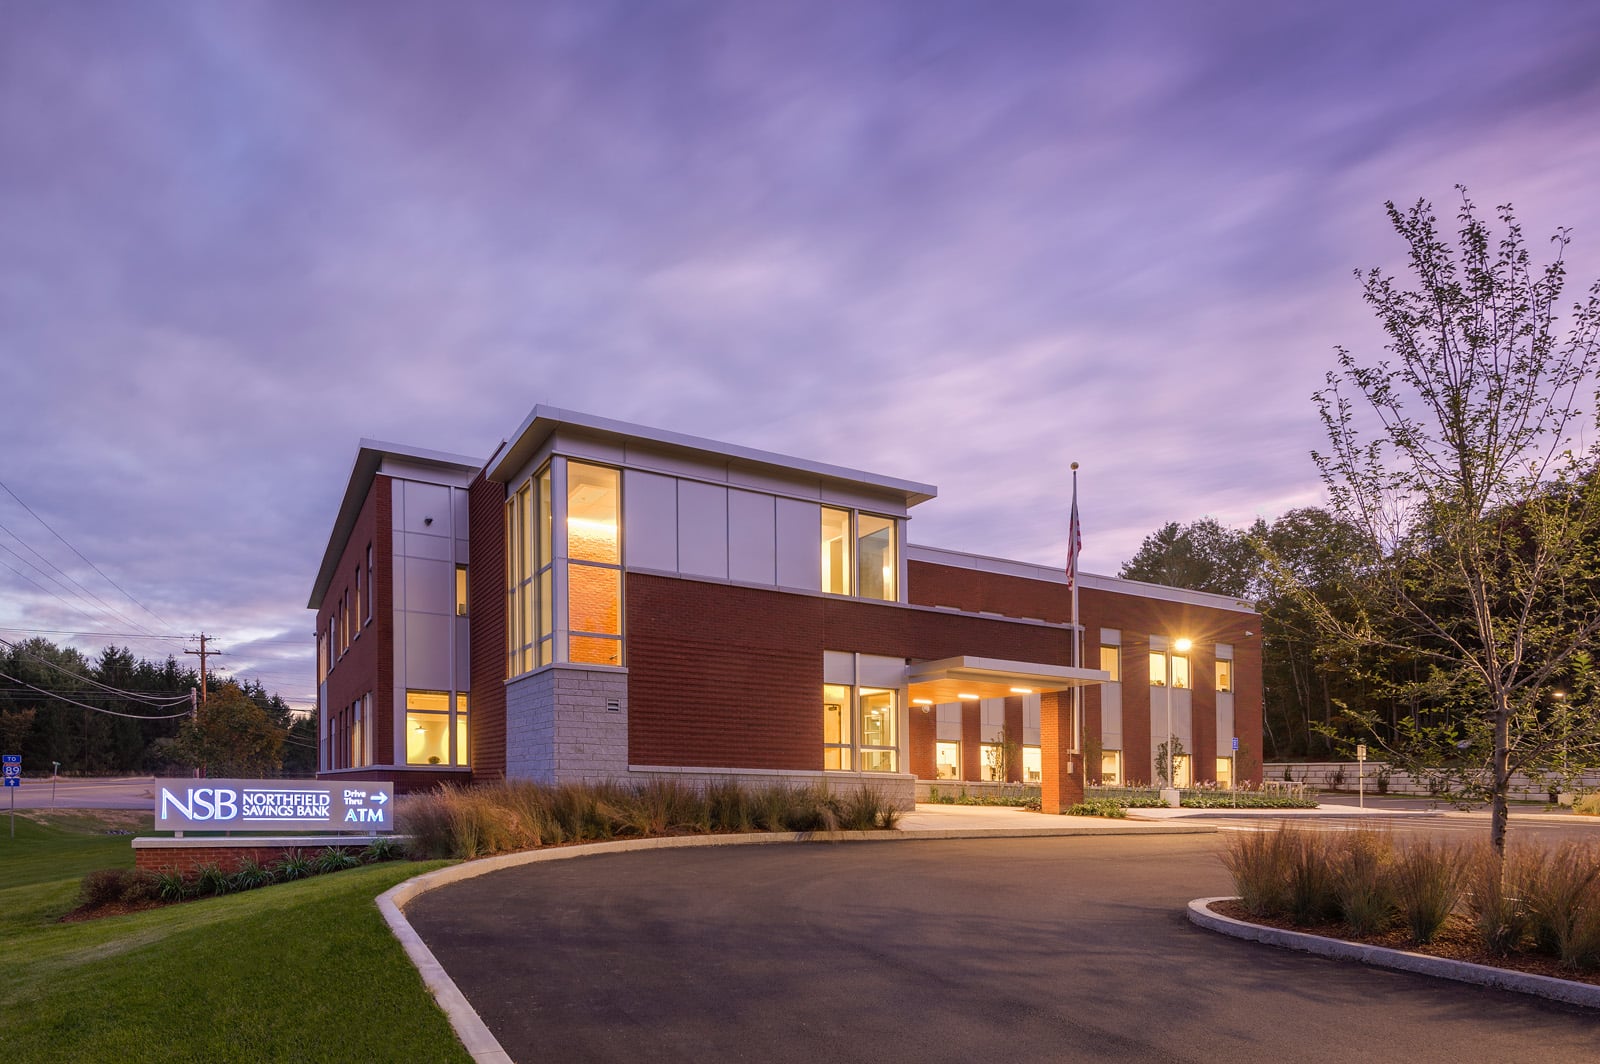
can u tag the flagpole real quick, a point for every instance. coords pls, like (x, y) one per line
(1074, 548)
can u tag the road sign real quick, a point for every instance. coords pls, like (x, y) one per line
(1236, 744)
(13, 781)
(12, 764)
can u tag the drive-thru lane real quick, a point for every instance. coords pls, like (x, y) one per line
(1059, 949)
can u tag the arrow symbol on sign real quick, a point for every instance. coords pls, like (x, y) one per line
(379, 798)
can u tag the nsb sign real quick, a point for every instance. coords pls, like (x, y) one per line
(274, 805)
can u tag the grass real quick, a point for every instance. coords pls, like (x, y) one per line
(305, 971)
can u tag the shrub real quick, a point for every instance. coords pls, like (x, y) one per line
(141, 887)
(211, 879)
(334, 859)
(1362, 893)
(1588, 805)
(171, 885)
(1106, 807)
(380, 850)
(251, 874)
(294, 864)
(103, 886)
(1564, 905)
(1427, 878)
(1259, 864)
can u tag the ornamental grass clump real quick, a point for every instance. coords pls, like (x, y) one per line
(1362, 892)
(1312, 877)
(1496, 896)
(1428, 879)
(1259, 862)
(1564, 905)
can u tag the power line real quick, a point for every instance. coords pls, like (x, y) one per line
(85, 593)
(80, 554)
(132, 696)
(96, 709)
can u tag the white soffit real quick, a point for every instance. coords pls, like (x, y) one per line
(947, 679)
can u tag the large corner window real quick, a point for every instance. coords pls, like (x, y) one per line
(529, 563)
(859, 555)
(430, 728)
(594, 564)
(870, 717)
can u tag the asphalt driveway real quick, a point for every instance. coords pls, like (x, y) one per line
(1059, 949)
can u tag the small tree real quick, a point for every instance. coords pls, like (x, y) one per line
(1476, 510)
(231, 736)
(1165, 771)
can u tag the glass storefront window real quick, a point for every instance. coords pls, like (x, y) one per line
(835, 727)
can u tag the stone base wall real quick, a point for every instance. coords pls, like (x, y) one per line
(1325, 775)
(586, 742)
(900, 789)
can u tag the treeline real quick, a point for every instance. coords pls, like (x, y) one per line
(122, 714)
(1316, 690)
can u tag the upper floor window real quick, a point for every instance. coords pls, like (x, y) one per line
(859, 554)
(1158, 670)
(1111, 661)
(1224, 674)
(461, 591)
(594, 564)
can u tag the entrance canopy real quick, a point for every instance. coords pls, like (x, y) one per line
(963, 679)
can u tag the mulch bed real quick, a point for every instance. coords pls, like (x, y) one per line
(1456, 941)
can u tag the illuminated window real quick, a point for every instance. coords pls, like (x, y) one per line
(1224, 674)
(1158, 670)
(876, 564)
(878, 722)
(594, 573)
(1224, 772)
(836, 744)
(428, 728)
(1182, 774)
(369, 582)
(1111, 767)
(358, 600)
(835, 551)
(529, 631)
(1032, 764)
(461, 591)
(992, 762)
(1111, 661)
(947, 761)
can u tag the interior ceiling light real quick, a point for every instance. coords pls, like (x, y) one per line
(966, 697)
(922, 701)
(1022, 690)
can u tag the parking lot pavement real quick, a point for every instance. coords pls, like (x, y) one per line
(79, 792)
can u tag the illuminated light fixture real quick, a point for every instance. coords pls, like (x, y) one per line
(966, 697)
(1182, 646)
(1022, 690)
(922, 701)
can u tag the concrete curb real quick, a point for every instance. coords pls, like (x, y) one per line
(1563, 990)
(475, 1035)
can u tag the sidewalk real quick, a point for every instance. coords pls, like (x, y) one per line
(989, 821)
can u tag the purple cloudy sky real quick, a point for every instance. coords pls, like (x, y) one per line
(963, 243)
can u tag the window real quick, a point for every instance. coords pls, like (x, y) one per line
(835, 551)
(836, 715)
(529, 629)
(1224, 772)
(947, 761)
(862, 562)
(461, 591)
(1111, 661)
(463, 751)
(869, 714)
(594, 566)
(1111, 767)
(1224, 674)
(1158, 670)
(876, 565)
(427, 727)
(1032, 764)
(358, 599)
(369, 582)
(992, 762)
(1182, 765)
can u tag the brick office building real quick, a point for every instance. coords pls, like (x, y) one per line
(601, 600)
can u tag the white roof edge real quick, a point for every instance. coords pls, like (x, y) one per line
(512, 457)
(368, 461)
(1050, 574)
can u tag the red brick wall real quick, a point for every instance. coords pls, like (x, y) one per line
(188, 859)
(486, 623)
(920, 742)
(368, 666)
(731, 677)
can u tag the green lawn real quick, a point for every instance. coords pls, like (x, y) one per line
(305, 971)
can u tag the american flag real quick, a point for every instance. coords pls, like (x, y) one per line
(1074, 536)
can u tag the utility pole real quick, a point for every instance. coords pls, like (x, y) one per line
(203, 654)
